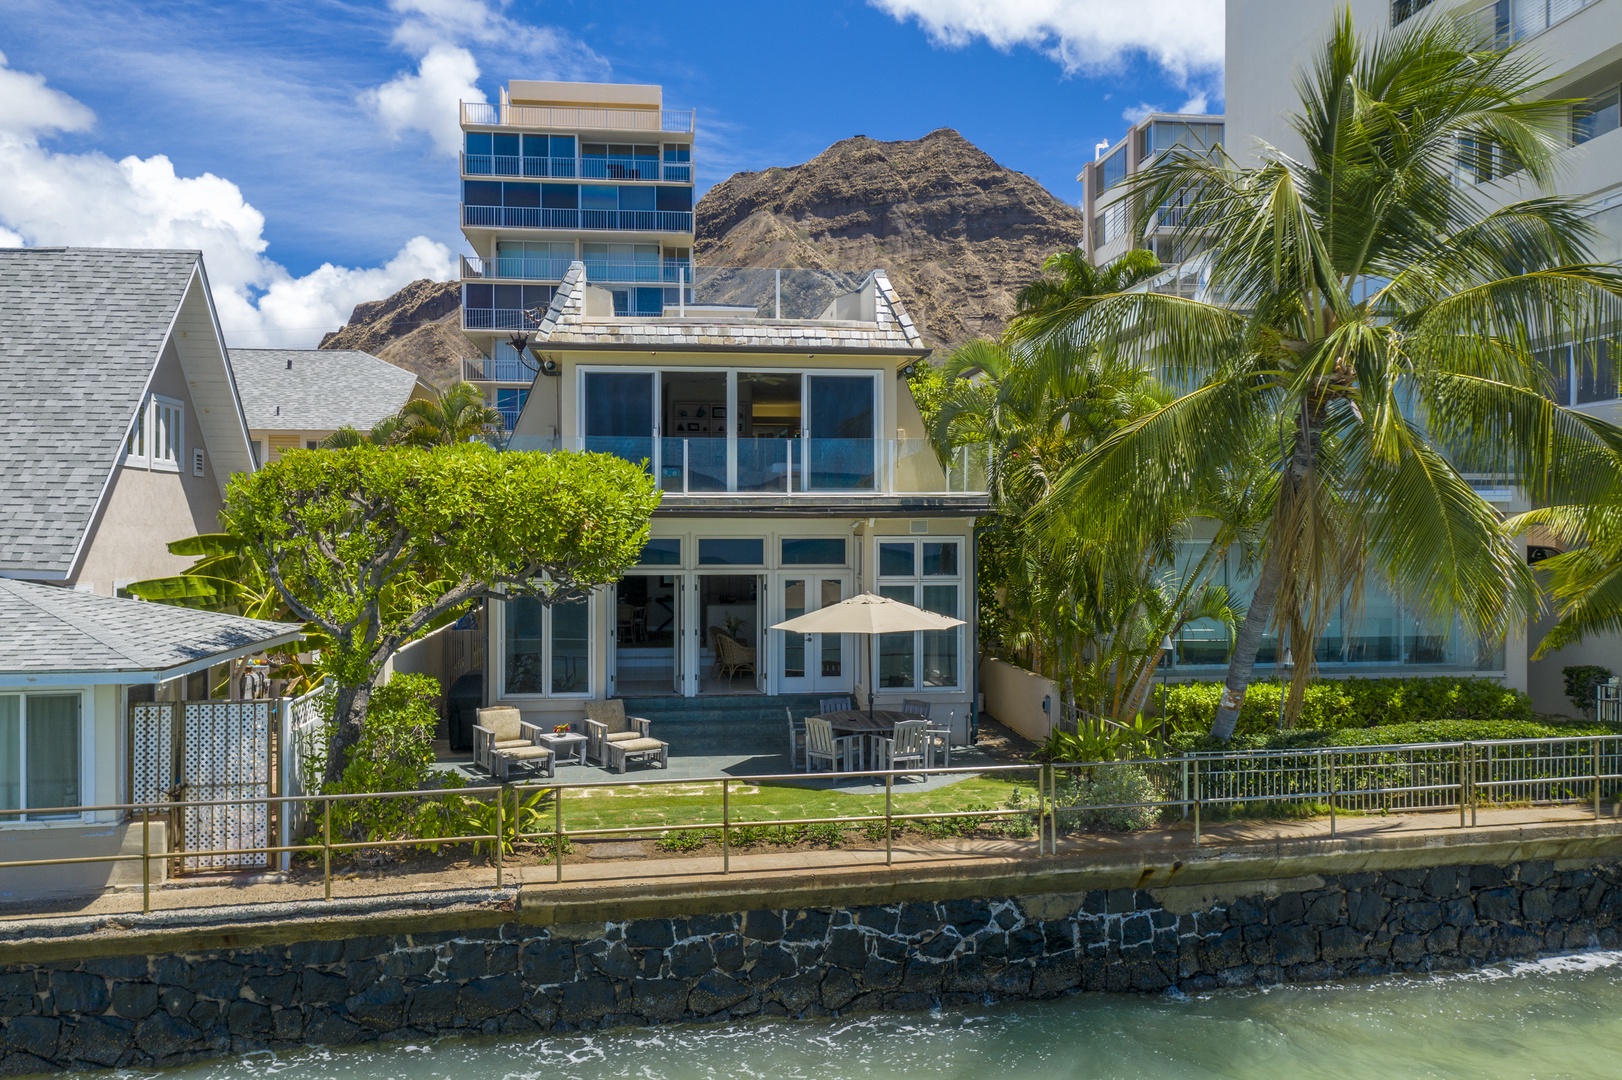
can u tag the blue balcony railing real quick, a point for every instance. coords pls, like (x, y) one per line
(568, 168)
(552, 268)
(529, 217)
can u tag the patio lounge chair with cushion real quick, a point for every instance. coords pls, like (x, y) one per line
(502, 739)
(651, 751)
(606, 723)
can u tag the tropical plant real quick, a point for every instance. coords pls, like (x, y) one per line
(1068, 276)
(395, 753)
(1581, 681)
(1378, 321)
(374, 546)
(454, 415)
(383, 433)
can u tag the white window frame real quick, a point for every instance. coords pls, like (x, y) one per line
(85, 773)
(141, 445)
(917, 579)
(546, 694)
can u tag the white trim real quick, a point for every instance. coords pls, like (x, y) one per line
(918, 580)
(499, 624)
(87, 775)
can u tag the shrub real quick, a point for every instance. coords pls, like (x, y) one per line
(1396, 734)
(395, 753)
(683, 840)
(1341, 704)
(1581, 679)
(1113, 786)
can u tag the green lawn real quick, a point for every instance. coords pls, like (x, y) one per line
(700, 803)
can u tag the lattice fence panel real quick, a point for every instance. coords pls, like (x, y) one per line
(226, 756)
(152, 750)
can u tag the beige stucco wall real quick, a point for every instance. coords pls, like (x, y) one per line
(145, 508)
(1014, 698)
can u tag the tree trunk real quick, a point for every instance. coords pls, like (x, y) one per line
(349, 705)
(1245, 647)
(1249, 641)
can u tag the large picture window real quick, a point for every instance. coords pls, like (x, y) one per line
(927, 574)
(39, 753)
(547, 648)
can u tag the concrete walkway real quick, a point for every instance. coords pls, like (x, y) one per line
(637, 870)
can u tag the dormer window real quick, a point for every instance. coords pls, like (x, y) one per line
(156, 437)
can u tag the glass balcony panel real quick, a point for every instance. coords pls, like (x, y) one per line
(766, 464)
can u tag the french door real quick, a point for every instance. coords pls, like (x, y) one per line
(810, 663)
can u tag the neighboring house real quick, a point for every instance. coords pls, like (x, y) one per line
(123, 423)
(1579, 42)
(555, 172)
(294, 398)
(72, 665)
(796, 472)
(1111, 215)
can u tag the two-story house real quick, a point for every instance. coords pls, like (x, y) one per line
(795, 472)
(295, 398)
(554, 172)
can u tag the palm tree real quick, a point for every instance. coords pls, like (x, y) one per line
(1377, 326)
(383, 433)
(1068, 276)
(455, 415)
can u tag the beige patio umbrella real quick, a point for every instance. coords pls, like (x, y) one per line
(867, 614)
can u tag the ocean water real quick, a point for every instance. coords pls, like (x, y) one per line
(1550, 1019)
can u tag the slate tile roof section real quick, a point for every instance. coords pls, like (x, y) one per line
(49, 629)
(567, 324)
(81, 330)
(318, 390)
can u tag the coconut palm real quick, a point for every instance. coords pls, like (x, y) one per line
(1068, 276)
(1377, 326)
(454, 415)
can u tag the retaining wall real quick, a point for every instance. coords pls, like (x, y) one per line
(521, 970)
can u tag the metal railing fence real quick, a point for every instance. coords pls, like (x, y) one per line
(1066, 798)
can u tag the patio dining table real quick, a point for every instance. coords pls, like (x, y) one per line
(858, 722)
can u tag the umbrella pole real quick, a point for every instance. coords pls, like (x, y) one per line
(869, 638)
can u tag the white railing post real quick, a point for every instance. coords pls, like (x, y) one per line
(681, 298)
(788, 466)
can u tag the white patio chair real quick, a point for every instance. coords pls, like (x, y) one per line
(906, 746)
(821, 746)
(796, 738)
(834, 704)
(916, 707)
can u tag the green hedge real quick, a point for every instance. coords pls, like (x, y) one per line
(1343, 704)
(1423, 732)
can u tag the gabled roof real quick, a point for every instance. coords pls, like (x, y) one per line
(570, 321)
(51, 634)
(318, 389)
(81, 331)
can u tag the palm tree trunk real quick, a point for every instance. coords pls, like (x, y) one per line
(1245, 646)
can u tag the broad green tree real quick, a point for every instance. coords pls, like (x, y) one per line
(372, 546)
(1376, 315)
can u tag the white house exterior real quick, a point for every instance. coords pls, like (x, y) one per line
(795, 472)
(1580, 44)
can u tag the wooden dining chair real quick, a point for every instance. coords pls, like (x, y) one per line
(821, 746)
(905, 746)
(834, 704)
(916, 707)
(796, 738)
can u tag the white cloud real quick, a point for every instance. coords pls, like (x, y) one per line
(1198, 101)
(427, 100)
(437, 33)
(91, 200)
(27, 105)
(1185, 37)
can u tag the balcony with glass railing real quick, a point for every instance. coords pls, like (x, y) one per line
(574, 118)
(789, 466)
(532, 217)
(1504, 22)
(608, 271)
(587, 168)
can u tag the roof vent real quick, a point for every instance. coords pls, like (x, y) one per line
(289, 363)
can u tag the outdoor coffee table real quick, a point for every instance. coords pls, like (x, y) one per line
(569, 747)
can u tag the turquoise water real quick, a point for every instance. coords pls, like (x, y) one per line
(1548, 1019)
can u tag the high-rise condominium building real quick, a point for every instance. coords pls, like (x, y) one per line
(557, 172)
(1111, 213)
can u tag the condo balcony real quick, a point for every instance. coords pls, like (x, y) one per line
(571, 118)
(578, 168)
(544, 268)
(574, 220)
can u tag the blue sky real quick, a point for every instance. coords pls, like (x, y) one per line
(307, 140)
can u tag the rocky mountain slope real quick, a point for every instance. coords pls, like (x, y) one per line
(959, 233)
(418, 328)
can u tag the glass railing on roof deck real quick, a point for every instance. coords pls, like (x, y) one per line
(789, 466)
(770, 293)
(574, 118)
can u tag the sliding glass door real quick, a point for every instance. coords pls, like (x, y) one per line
(840, 450)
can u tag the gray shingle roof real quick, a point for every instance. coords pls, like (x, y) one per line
(47, 629)
(322, 389)
(891, 330)
(80, 332)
